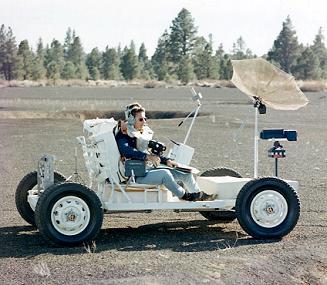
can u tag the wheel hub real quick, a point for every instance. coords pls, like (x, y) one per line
(269, 208)
(70, 215)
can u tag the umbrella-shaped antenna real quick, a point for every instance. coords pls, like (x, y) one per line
(274, 87)
(266, 85)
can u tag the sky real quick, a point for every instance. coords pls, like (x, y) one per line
(106, 22)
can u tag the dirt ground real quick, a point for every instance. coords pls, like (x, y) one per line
(164, 247)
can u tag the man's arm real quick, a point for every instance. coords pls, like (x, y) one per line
(129, 151)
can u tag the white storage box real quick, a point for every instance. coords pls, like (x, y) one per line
(226, 187)
(181, 153)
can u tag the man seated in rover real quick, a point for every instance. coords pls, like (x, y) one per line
(128, 137)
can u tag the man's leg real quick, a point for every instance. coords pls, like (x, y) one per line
(193, 192)
(188, 180)
(162, 176)
(165, 177)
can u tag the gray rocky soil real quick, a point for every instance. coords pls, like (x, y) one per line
(164, 247)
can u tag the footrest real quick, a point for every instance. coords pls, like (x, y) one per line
(139, 188)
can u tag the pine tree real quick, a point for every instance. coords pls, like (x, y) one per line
(308, 65)
(286, 49)
(182, 36)
(10, 60)
(160, 57)
(38, 70)
(213, 63)
(69, 71)
(240, 51)
(214, 68)
(201, 58)
(119, 51)
(25, 56)
(53, 71)
(77, 58)
(93, 63)
(226, 68)
(57, 54)
(2, 48)
(145, 67)
(185, 70)
(68, 44)
(205, 64)
(129, 63)
(214, 71)
(320, 50)
(74, 53)
(220, 58)
(54, 60)
(224, 64)
(47, 56)
(142, 53)
(110, 69)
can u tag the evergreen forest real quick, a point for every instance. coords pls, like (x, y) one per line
(181, 54)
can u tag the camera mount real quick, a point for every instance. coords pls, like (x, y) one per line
(277, 151)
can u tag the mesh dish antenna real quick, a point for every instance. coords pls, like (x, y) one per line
(266, 85)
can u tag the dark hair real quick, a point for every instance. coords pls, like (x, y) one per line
(136, 110)
(134, 104)
(130, 107)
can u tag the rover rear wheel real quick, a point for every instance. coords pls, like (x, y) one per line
(220, 216)
(69, 214)
(29, 182)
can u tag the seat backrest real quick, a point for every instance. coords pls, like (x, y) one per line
(102, 157)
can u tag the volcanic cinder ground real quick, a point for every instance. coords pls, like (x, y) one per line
(164, 247)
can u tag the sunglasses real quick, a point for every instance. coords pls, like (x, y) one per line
(142, 119)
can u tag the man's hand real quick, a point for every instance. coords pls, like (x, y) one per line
(154, 159)
(172, 163)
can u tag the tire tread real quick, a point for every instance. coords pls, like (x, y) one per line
(24, 185)
(40, 213)
(240, 200)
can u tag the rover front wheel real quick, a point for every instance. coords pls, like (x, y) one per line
(267, 208)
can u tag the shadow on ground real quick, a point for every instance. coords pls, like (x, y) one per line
(185, 236)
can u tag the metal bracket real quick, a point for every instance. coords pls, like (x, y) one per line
(45, 172)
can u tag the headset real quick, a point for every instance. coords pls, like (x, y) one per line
(128, 113)
(143, 137)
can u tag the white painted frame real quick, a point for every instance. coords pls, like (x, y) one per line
(101, 155)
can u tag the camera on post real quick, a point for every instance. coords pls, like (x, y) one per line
(156, 147)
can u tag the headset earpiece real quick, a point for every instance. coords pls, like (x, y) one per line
(131, 119)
